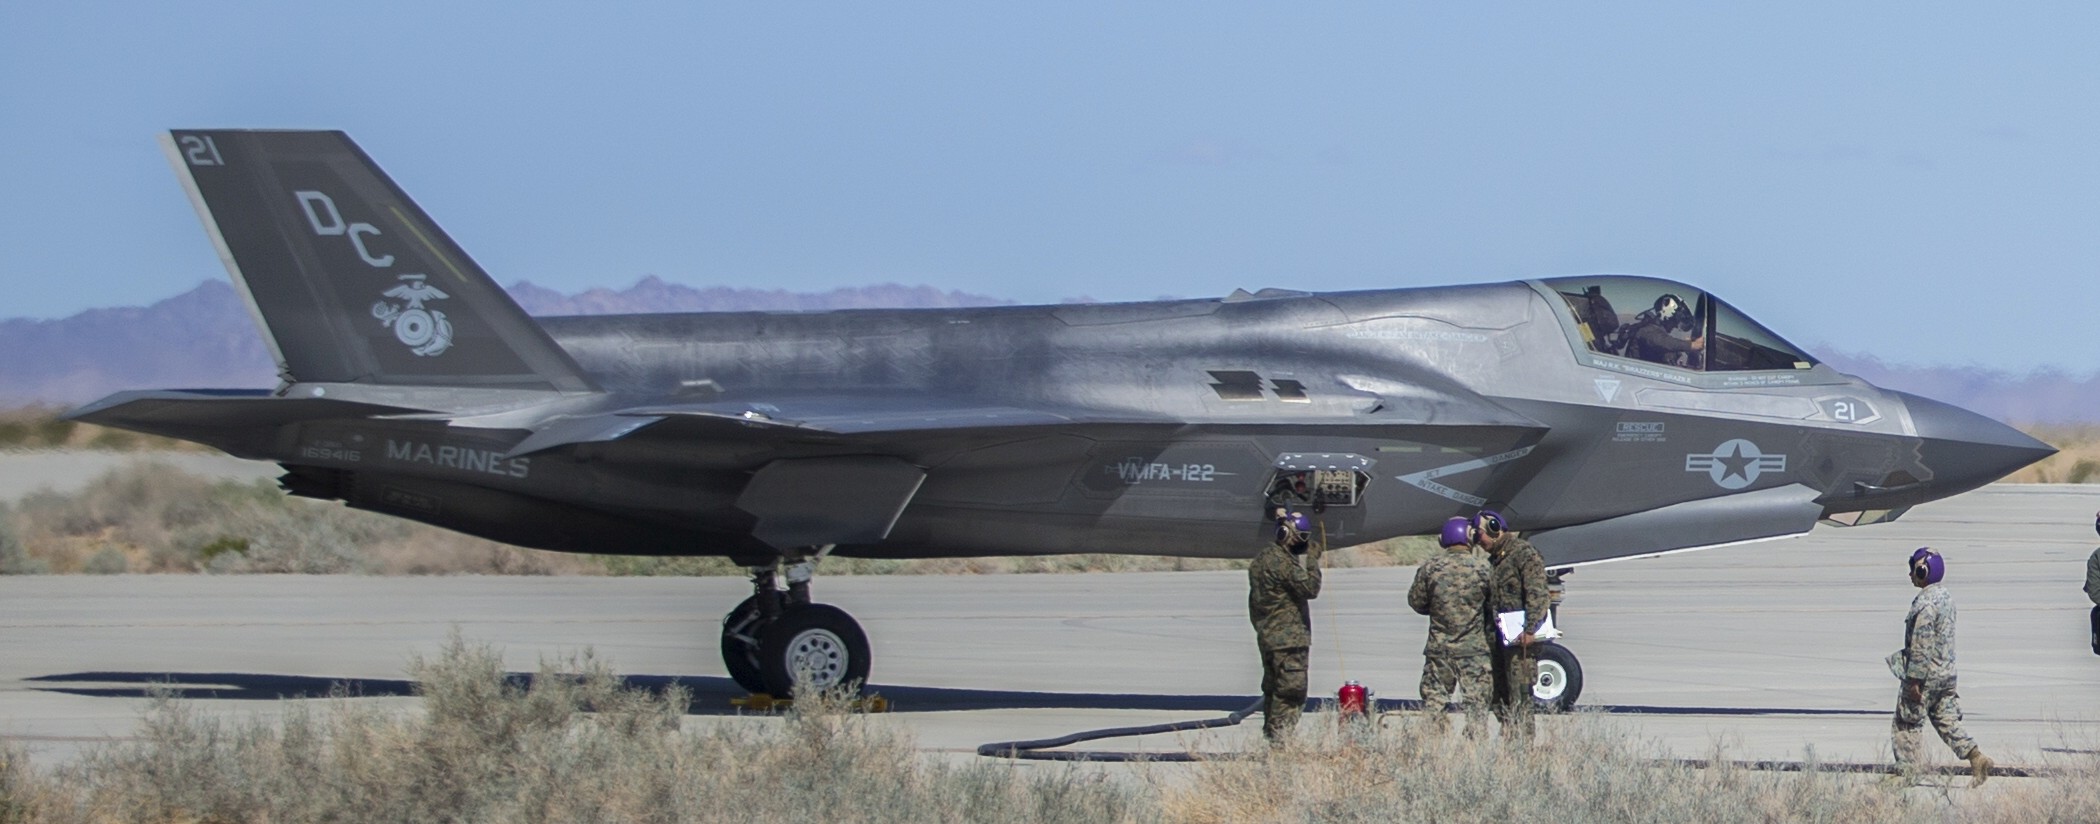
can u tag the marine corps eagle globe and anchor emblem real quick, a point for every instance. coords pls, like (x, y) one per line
(424, 330)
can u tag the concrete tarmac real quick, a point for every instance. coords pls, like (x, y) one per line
(1769, 649)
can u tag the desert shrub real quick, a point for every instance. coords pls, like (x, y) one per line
(1582, 769)
(53, 432)
(658, 565)
(571, 743)
(221, 546)
(13, 433)
(108, 560)
(17, 783)
(114, 439)
(14, 557)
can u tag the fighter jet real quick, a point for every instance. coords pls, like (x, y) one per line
(1607, 416)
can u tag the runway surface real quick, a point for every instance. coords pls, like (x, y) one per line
(1770, 648)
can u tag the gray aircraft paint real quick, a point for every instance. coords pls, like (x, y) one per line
(1154, 427)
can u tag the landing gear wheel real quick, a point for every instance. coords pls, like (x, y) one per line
(741, 630)
(1560, 679)
(819, 641)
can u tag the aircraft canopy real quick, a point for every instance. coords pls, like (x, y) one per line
(1633, 317)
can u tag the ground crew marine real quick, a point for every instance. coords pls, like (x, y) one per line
(1278, 589)
(1451, 588)
(1517, 582)
(2092, 587)
(1927, 664)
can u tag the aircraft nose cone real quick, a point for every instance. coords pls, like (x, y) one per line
(1965, 450)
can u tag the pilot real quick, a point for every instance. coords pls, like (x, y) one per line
(1650, 338)
(2092, 586)
(1279, 585)
(1517, 583)
(1452, 589)
(1926, 665)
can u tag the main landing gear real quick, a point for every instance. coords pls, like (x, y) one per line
(777, 640)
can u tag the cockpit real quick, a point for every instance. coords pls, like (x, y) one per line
(1671, 324)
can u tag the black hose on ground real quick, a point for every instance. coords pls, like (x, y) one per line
(1042, 750)
(1035, 750)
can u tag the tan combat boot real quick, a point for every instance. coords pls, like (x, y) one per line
(1979, 768)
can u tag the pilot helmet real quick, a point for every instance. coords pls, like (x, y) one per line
(1671, 312)
(1293, 528)
(1457, 532)
(1927, 565)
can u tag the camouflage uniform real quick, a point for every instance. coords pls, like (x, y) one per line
(2092, 591)
(1518, 582)
(1452, 589)
(1278, 587)
(2092, 577)
(1928, 661)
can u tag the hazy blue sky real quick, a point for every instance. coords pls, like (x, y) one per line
(1916, 180)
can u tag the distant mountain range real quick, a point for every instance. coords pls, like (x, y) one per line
(205, 338)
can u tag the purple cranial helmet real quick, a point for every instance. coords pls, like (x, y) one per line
(1457, 532)
(1490, 526)
(1927, 565)
(1293, 528)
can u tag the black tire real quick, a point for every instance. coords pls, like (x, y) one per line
(822, 638)
(1560, 679)
(740, 657)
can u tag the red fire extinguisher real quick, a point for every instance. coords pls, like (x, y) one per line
(1353, 701)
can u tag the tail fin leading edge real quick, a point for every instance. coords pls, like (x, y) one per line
(349, 279)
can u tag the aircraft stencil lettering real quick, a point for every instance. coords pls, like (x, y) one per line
(315, 204)
(1426, 479)
(1138, 470)
(1008, 430)
(1735, 464)
(458, 457)
(1639, 432)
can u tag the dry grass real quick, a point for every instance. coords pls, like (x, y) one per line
(572, 743)
(156, 518)
(1584, 768)
(39, 427)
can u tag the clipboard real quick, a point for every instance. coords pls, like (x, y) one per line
(1511, 625)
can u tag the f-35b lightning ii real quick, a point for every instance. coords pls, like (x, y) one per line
(1608, 416)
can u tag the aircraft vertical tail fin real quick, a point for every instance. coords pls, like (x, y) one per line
(350, 281)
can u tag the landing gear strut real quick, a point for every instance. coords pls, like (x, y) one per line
(776, 641)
